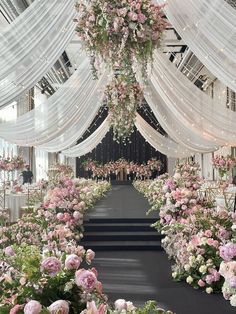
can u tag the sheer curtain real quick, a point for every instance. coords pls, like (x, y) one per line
(32, 43)
(53, 117)
(90, 143)
(41, 157)
(208, 27)
(188, 115)
(163, 144)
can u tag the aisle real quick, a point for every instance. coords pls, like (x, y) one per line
(141, 274)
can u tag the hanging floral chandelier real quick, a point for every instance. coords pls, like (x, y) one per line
(121, 33)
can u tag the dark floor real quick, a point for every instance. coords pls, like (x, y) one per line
(139, 276)
(123, 201)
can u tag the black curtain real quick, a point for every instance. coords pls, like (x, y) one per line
(138, 150)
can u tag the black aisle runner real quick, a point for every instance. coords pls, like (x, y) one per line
(129, 259)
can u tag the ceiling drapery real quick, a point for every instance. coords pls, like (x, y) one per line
(32, 43)
(66, 108)
(163, 144)
(90, 143)
(208, 27)
(186, 113)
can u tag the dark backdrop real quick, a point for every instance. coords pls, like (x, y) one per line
(138, 150)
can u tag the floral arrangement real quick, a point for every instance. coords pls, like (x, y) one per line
(58, 171)
(41, 265)
(199, 240)
(121, 33)
(122, 97)
(223, 164)
(140, 171)
(11, 163)
(40, 259)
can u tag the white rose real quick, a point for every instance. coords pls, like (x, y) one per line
(174, 274)
(187, 267)
(189, 279)
(203, 269)
(209, 290)
(233, 300)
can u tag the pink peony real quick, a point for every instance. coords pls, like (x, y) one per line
(60, 216)
(86, 279)
(33, 307)
(72, 261)
(208, 233)
(89, 256)
(51, 265)
(59, 306)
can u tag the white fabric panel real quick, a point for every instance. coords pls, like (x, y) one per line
(50, 120)
(32, 43)
(161, 143)
(208, 27)
(91, 106)
(189, 116)
(90, 143)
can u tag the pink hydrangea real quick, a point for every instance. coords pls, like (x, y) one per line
(9, 251)
(86, 279)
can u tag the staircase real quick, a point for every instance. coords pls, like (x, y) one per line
(115, 234)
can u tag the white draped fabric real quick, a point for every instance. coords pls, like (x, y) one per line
(189, 116)
(208, 27)
(90, 143)
(90, 106)
(161, 143)
(32, 43)
(70, 106)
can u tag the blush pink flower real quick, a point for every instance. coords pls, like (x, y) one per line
(9, 251)
(33, 307)
(51, 265)
(90, 254)
(16, 309)
(59, 306)
(201, 283)
(86, 279)
(72, 261)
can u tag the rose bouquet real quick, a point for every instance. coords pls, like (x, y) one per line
(223, 164)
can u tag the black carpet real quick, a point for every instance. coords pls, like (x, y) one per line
(138, 275)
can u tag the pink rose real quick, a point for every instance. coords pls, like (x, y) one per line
(201, 283)
(72, 261)
(9, 251)
(86, 279)
(89, 256)
(92, 308)
(51, 265)
(208, 233)
(59, 306)
(33, 307)
(133, 16)
(16, 309)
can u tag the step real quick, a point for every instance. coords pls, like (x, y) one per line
(123, 245)
(117, 227)
(123, 236)
(120, 220)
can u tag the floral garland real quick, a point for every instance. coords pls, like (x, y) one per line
(121, 33)
(223, 164)
(109, 168)
(11, 163)
(200, 240)
(122, 98)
